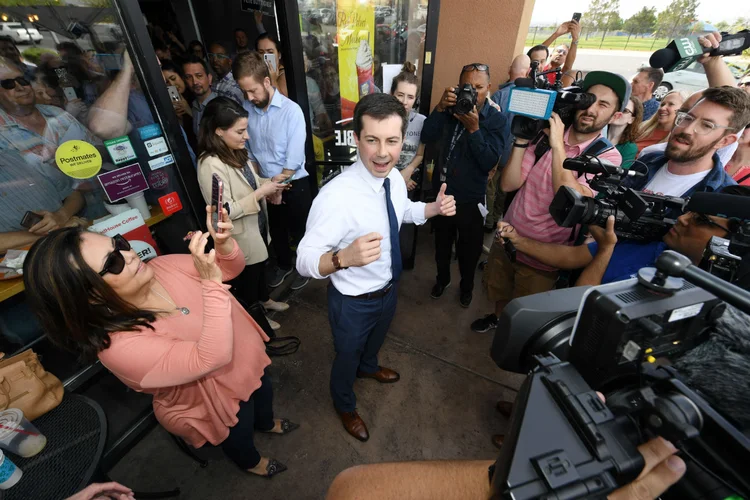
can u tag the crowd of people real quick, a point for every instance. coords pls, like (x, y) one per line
(170, 327)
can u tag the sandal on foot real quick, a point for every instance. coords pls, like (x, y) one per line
(287, 426)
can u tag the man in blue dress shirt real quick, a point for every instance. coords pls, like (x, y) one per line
(277, 131)
(352, 236)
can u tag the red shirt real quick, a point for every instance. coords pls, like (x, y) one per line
(742, 176)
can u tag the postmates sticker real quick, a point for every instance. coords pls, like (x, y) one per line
(78, 159)
(170, 203)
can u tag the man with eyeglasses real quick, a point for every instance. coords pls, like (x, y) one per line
(689, 162)
(221, 62)
(607, 260)
(471, 145)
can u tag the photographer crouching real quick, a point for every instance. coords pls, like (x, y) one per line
(535, 169)
(472, 133)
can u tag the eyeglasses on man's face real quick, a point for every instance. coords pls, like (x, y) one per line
(10, 83)
(702, 127)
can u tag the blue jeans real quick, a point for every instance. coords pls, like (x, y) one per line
(359, 327)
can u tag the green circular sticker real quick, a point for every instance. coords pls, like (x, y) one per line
(78, 159)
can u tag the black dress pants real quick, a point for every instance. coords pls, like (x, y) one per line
(466, 229)
(251, 285)
(287, 221)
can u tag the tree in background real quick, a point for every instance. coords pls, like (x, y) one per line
(641, 23)
(722, 25)
(677, 18)
(603, 15)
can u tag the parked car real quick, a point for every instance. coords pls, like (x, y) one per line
(691, 79)
(19, 33)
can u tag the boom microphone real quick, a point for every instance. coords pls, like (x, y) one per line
(682, 52)
(596, 166)
(719, 204)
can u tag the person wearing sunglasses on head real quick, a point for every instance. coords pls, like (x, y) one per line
(221, 62)
(169, 327)
(471, 146)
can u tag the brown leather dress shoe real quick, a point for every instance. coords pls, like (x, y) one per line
(383, 375)
(498, 439)
(505, 408)
(354, 425)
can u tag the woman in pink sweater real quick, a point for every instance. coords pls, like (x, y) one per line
(168, 327)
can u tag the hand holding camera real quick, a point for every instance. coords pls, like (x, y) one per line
(469, 120)
(605, 237)
(556, 132)
(448, 100)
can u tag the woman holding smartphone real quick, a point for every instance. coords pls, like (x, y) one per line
(270, 49)
(221, 142)
(183, 106)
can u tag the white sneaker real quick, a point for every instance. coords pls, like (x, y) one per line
(272, 305)
(274, 325)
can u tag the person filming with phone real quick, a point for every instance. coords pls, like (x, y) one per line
(472, 133)
(168, 327)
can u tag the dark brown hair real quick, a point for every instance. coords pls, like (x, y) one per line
(408, 75)
(76, 307)
(654, 75)
(250, 64)
(379, 107)
(734, 99)
(221, 113)
(631, 130)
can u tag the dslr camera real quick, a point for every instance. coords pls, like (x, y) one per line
(466, 99)
(563, 440)
(638, 216)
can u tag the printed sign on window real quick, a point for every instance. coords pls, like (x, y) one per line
(156, 146)
(123, 182)
(120, 149)
(170, 203)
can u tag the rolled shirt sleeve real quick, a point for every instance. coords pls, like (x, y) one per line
(326, 228)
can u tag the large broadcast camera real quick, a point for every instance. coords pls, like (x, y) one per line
(638, 216)
(563, 441)
(534, 98)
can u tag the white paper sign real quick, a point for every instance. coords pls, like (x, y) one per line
(156, 146)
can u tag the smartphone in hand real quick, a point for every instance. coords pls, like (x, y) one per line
(30, 219)
(577, 17)
(217, 201)
(173, 93)
(271, 61)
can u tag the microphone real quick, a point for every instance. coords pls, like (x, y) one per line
(719, 204)
(595, 166)
(682, 52)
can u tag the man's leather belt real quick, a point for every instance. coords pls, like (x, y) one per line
(377, 294)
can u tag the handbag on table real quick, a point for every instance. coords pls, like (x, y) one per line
(26, 385)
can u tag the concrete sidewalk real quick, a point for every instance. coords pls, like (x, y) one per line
(443, 407)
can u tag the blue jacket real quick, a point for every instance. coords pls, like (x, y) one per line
(473, 156)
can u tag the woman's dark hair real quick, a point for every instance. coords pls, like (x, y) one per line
(631, 131)
(379, 107)
(77, 309)
(408, 75)
(196, 43)
(221, 113)
(168, 65)
(266, 36)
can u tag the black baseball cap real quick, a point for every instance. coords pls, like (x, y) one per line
(617, 83)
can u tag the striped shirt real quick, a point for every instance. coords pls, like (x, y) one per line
(227, 87)
(529, 211)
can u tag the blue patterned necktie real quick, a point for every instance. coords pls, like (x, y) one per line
(396, 265)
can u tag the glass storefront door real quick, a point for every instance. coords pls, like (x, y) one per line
(353, 48)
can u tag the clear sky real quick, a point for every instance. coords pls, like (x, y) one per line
(549, 11)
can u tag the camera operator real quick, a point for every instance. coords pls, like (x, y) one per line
(468, 479)
(471, 147)
(689, 162)
(537, 181)
(607, 260)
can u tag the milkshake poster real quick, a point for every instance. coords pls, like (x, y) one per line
(355, 22)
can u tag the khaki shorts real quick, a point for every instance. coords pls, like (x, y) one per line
(506, 280)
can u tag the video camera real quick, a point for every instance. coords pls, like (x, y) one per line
(638, 216)
(563, 441)
(534, 98)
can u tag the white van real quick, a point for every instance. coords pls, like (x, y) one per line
(19, 33)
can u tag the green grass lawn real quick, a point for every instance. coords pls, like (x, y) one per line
(610, 42)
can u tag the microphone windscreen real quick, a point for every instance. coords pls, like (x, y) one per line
(524, 82)
(723, 205)
(664, 58)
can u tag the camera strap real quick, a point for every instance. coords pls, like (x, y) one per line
(457, 133)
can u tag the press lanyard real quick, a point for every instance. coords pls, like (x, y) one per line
(457, 133)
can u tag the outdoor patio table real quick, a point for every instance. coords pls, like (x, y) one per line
(76, 432)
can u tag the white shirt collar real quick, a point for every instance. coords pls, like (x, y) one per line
(376, 183)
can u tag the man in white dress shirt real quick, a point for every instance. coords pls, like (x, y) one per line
(352, 236)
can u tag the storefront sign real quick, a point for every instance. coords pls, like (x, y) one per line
(170, 203)
(133, 228)
(345, 138)
(123, 182)
(355, 22)
(156, 146)
(78, 159)
(120, 149)
(265, 6)
(150, 131)
(160, 162)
